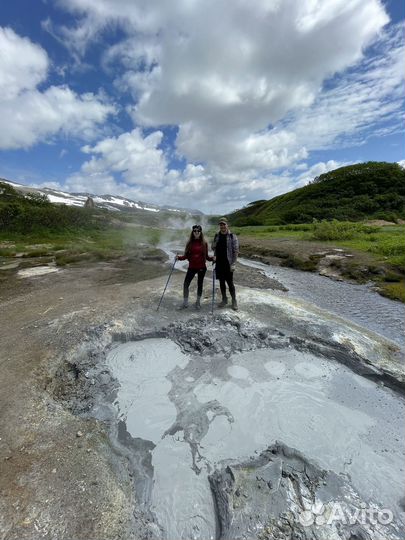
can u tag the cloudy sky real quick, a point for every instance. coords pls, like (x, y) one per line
(207, 104)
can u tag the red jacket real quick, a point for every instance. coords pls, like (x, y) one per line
(196, 254)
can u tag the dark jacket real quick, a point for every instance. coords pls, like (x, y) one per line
(232, 246)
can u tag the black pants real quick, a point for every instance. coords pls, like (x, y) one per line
(225, 276)
(189, 278)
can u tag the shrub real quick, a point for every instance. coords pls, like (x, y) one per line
(389, 246)
(335, 230)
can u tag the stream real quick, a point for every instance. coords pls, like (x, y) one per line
(356, 302)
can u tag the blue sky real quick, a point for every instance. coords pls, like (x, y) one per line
(197, 103)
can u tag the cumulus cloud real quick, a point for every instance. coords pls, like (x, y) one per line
(32, 115)
(253, 87)
(123, 165)
(262, 60)
(369, 97)
(121, 162)
(23, 65)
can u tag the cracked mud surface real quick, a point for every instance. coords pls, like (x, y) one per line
(72, 465)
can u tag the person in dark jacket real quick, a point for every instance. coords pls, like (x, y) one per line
(226, 249)
(196, 253)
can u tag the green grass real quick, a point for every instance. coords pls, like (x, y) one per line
(378, 252)
(388, 244)
(395, 291)
(91, 244)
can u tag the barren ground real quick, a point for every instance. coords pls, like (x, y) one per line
(58, 477)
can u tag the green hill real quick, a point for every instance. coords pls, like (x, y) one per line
(32, 212)
(373, 190)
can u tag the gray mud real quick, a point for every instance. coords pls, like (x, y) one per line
(282, 495)
(186, 400)
(191, 398)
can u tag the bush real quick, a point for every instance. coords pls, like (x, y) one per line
(339, 230)
(389, 246)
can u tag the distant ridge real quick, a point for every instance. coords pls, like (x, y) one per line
(109, 202)
(372, 190)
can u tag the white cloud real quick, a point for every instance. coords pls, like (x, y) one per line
(97, 183)
(32, 115)
(23, 65)
(370, 97)
(316, 170)
(229, 65)
(253, 87)
(131, 157)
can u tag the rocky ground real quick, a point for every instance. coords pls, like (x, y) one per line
(60, 477)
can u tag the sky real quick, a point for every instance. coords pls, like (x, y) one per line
(204, 104)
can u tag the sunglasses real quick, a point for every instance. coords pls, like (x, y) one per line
(197, 229)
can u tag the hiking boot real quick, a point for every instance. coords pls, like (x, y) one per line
(184, 305)
(224, 302)
(234, 304)
(198, 304)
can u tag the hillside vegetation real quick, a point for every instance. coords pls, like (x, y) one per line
(373, 190)
(32, 212)
(37, 231)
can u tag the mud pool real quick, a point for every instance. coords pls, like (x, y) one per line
(202, 412)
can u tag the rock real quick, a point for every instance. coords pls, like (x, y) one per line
(89, 203)
(79, 434)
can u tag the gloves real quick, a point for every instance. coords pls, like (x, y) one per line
(232, 267)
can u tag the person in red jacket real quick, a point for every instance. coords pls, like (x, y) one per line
(196, 253)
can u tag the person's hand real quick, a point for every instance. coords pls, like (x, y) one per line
(232, 267)
(177, 257)
(214, 259)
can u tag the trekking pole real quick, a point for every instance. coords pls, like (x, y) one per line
(213, 289)
(167, 282)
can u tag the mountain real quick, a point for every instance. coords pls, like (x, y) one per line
(109, 202)
(372, 190)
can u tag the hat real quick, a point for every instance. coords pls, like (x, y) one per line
(223, 220)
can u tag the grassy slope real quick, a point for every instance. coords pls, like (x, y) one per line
(363, 191)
